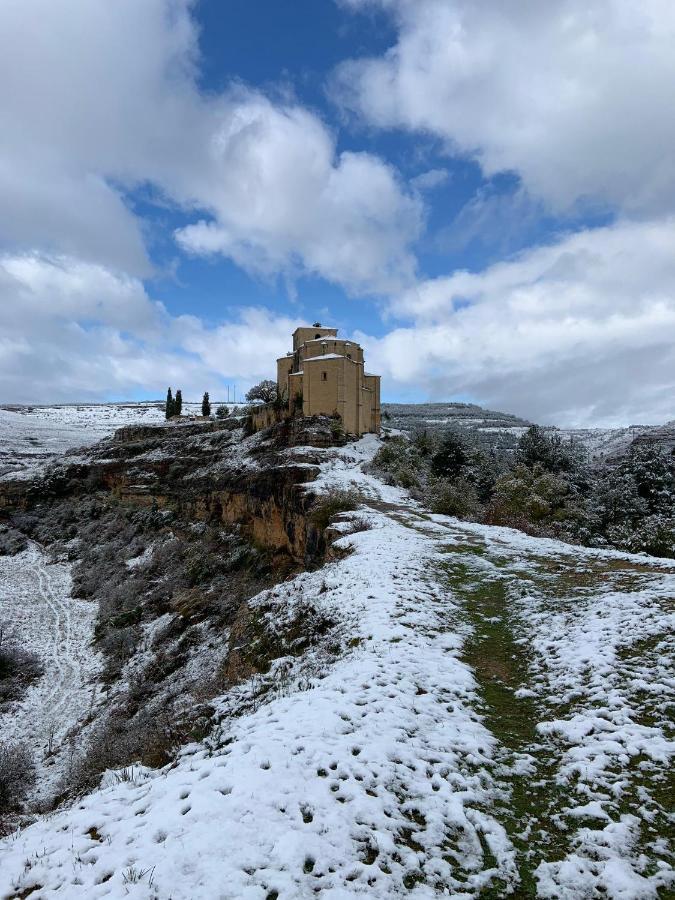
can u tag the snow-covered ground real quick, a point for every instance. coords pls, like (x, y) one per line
(38, 611)
(494, 721)
(32, 436)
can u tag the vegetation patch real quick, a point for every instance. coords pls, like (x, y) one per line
(331, 504)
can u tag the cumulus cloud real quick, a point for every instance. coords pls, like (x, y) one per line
(71, 329)
(281, 200)
(579, 332)
(576, 98)
(97, 99)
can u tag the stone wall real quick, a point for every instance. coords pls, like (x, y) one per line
(267, 414)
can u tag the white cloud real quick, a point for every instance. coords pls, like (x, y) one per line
(281, 201)
(433, 178)
(97, 98)
(576, 98)
(579, 332)
(74, 330)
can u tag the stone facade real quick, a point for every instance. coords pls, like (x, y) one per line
(326, 374)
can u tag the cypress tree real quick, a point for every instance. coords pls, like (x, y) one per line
(206, 405)
(170, 404)
(178, 404)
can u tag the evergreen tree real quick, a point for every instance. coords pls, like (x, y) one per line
(546, 448)
(451, 457)
(206, 405)
(170, 404)
(178, 404)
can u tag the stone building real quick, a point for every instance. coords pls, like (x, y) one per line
(326, 375)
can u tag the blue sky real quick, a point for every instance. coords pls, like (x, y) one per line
(481, 194)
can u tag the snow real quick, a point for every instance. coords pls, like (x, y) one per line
(38, 612)
(371, 769)
(33, 436)
(326, 356)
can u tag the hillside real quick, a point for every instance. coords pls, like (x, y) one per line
(487, 428)
(402, 704)
(498, 431)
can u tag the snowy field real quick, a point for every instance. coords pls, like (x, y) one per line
(496, 723)
(32, 436)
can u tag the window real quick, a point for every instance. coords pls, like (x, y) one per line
(316, 337)
(349, 356)
(324, 376)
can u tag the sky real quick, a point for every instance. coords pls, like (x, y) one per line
(481, 194)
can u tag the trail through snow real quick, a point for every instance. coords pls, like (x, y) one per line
(39, 613)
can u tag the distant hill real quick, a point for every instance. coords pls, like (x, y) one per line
(494, 430)
(486, 427)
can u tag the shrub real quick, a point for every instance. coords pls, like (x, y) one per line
(453, 498)
(337, 430)
(18, 668)
(528, 494)
(330, 504)
(222, 412)
(399, 460)
(17, 775)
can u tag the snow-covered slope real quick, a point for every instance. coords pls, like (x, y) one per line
(36, 605)
(491, 718)
(32, 436)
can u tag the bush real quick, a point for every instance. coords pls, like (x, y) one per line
(17, 775)
(18, 668)
(332, 503)
(222, 412)
(453, 498)
(399, 459)
(528, 494)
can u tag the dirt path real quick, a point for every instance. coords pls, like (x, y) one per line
(37, 609)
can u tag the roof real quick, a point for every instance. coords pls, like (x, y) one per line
(322, 340)
(318, 328)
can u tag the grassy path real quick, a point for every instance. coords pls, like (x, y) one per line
(573, 657)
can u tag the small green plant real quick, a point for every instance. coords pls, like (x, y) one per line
(337, 429)
(330, 504)
(222, 412)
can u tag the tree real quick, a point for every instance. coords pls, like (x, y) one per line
(170, 405)
(266, 391)
(451, 458)
(538, 447)
(178, 404)
(222, 412)
(654, 476)
(206, 405)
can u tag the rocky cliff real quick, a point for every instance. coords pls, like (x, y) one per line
(170, 530)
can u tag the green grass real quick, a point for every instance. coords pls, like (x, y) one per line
(488, 590)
